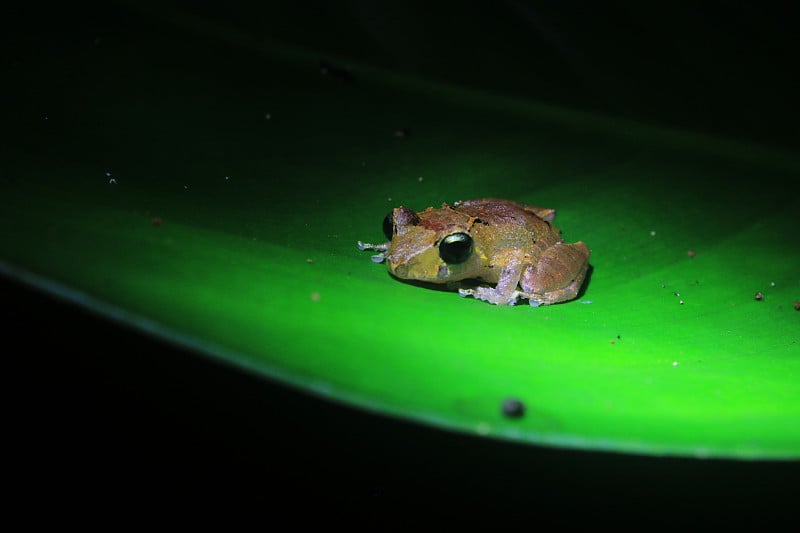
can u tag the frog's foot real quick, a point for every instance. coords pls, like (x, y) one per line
(381, 248)
(488, 294)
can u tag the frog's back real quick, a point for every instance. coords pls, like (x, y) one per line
(499, 211)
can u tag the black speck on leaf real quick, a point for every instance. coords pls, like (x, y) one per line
(513, 408)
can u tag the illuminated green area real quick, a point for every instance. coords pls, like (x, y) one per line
(237, 200)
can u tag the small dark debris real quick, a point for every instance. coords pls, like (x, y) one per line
(691, 253)
(156, 221)
(513, 408)
(619, 337)
(796, 305)
(759, 296)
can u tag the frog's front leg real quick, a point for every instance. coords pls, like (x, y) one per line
(381, 248)
(557, 276)
(505, 292)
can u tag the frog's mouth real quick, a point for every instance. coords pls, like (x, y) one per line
(405, 269)
(405, 272)
(411, 270)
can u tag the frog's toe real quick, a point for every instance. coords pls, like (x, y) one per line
(381, 247)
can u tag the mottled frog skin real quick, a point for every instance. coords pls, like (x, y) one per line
(511, 245)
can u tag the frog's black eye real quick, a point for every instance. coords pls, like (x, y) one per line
(455, 248)
(388, 226)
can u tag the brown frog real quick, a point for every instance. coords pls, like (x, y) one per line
(512, 245)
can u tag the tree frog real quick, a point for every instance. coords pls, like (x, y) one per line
(509, 244)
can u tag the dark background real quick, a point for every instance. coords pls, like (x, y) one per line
(102, 420)
(724, 67)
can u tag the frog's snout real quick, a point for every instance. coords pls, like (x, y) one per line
(405, 263)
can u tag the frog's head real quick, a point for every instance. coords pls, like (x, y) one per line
(434, 245)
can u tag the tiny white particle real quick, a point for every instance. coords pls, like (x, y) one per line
(112, 181)
(681, 302)
(186, 187)
(108, 174)
(420, 178)
(653, 233)
(586, 302)
(389, 199)
(771, 283)
(227, 178)
(267, 116)
(674, 363)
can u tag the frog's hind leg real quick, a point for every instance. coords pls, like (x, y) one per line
(557, 276)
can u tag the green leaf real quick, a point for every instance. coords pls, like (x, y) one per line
(224, 214)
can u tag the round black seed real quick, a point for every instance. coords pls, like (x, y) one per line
(513, 408)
